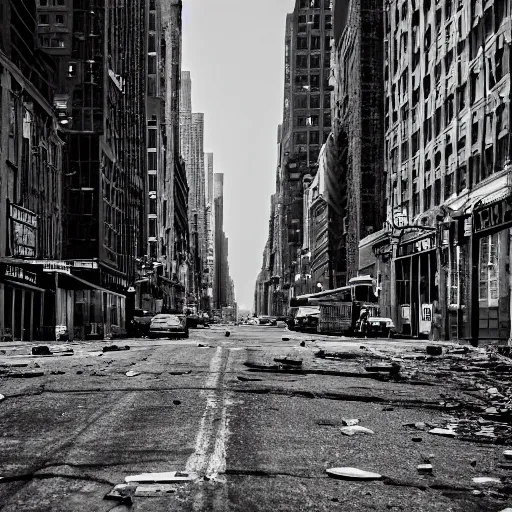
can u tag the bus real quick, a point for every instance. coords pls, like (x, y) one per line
(340, 308)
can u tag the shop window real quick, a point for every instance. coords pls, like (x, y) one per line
(488, 271)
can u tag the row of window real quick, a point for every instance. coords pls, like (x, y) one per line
(315, 4)
(52, 3)
(57, 19)
(301, 138)
(313, 43)
(303, 121)
(313, 20)
(52, 42)
(300, 101)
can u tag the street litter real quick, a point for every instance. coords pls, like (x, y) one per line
(167, 477)
(486, 480)
(424, 468)
(227, 334)
(132, 374)
(355, 429)
(154, 490)
(352, 474)
(289, 362)
(2, 397)
(248, 379)
(121, 493)
(42, 350)
(443, 432)
(349, 423)
(115, 348)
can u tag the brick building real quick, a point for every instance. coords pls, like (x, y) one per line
(445, 251)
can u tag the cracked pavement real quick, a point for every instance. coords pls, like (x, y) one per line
(258, 435)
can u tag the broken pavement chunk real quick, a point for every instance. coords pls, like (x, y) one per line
(447, 432)
(434, 350)
(41, 350)
(355, 429)
(349, 423)
(115, 348)
(393, 368)
(121, 493)
(132, 374)
(352, 474)
(484, 480)
(154, 490)
(167, 477)
(424, 468)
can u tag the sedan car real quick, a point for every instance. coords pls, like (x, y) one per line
(141, 322)
(166, 325)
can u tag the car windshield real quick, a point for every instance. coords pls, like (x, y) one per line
(170, 319)
(143, 312)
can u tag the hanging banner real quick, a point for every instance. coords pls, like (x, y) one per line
(23, 231)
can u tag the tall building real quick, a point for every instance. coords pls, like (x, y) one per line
(306, 126)
(444, 252)
(218, 200)
(166, 185)
(191, 140)
(30, 180)
(210, 227)
(358, 124)
(101, 106)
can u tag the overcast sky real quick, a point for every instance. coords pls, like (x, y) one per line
(234, 50)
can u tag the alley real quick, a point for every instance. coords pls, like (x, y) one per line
(255, 434)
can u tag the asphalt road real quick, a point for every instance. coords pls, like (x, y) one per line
(258, 437)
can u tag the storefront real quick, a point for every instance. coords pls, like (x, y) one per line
(491, 276)
(416, 284)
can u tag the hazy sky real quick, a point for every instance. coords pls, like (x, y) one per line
(234, 50)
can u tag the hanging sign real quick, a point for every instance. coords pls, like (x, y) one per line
(493, 216)
(20, 273)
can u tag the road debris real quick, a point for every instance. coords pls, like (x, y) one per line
(132, 374)
(355, 429)
(115, 348)
(121, 493)
(322, 354)
(302, 343)
(176, 402)
(507, 454)
(202, 345)
(486, 480)
(41, 350)
(166, 477)
(154, 490)
(247, 379)
(447, 432)
(288, 362)
(393, 368)
(2, 397)
(424, 468)
(57, 372)
(79, 372)
(434, 350)
(227, 334)
(350, 422)
(25, 375)
(352, 474)
(285, 338)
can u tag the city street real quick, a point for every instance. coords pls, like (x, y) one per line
(256, 435)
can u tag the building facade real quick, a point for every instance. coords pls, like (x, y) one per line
(101, 107)
(446, 244)
(358, 128)
(30, 179)
(210, 228)
(166, 256)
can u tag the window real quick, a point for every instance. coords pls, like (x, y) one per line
(152, 179)
(315, 42)
(301, 101)
(488, 273)
(448, 185)
(151, 43)
(302, 43)
(152, 228)
(437, 192)
(461, 98)
(461, 178)
(315, 81)
(415, 204)
(152, 64)
(152, 138)
(327, 119)
(314, 101)
(301, 138)
(43, 2)
(57, 42)
(59, 2)
(59, 19)
(314, 137)
(152, 205)
(44, 19)
(301, 61)
(427, 198)
(301, 121)
(314, 61)
(152, 161)
(328, 22)
(71, 69)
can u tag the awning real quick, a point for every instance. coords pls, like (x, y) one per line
(69, 282)
(24, 285)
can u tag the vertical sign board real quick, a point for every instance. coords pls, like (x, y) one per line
(22, 231)
(426, 318)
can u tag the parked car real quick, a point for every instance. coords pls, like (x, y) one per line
(265, 320)
(166, 325)
(378, 327)
(306, 319)
(140, 322)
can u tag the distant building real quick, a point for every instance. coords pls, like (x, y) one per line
(210, 228)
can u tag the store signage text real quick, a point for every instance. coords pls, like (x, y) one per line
(23, 227)
(425, 244)
(493, 216)
(21, 274)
